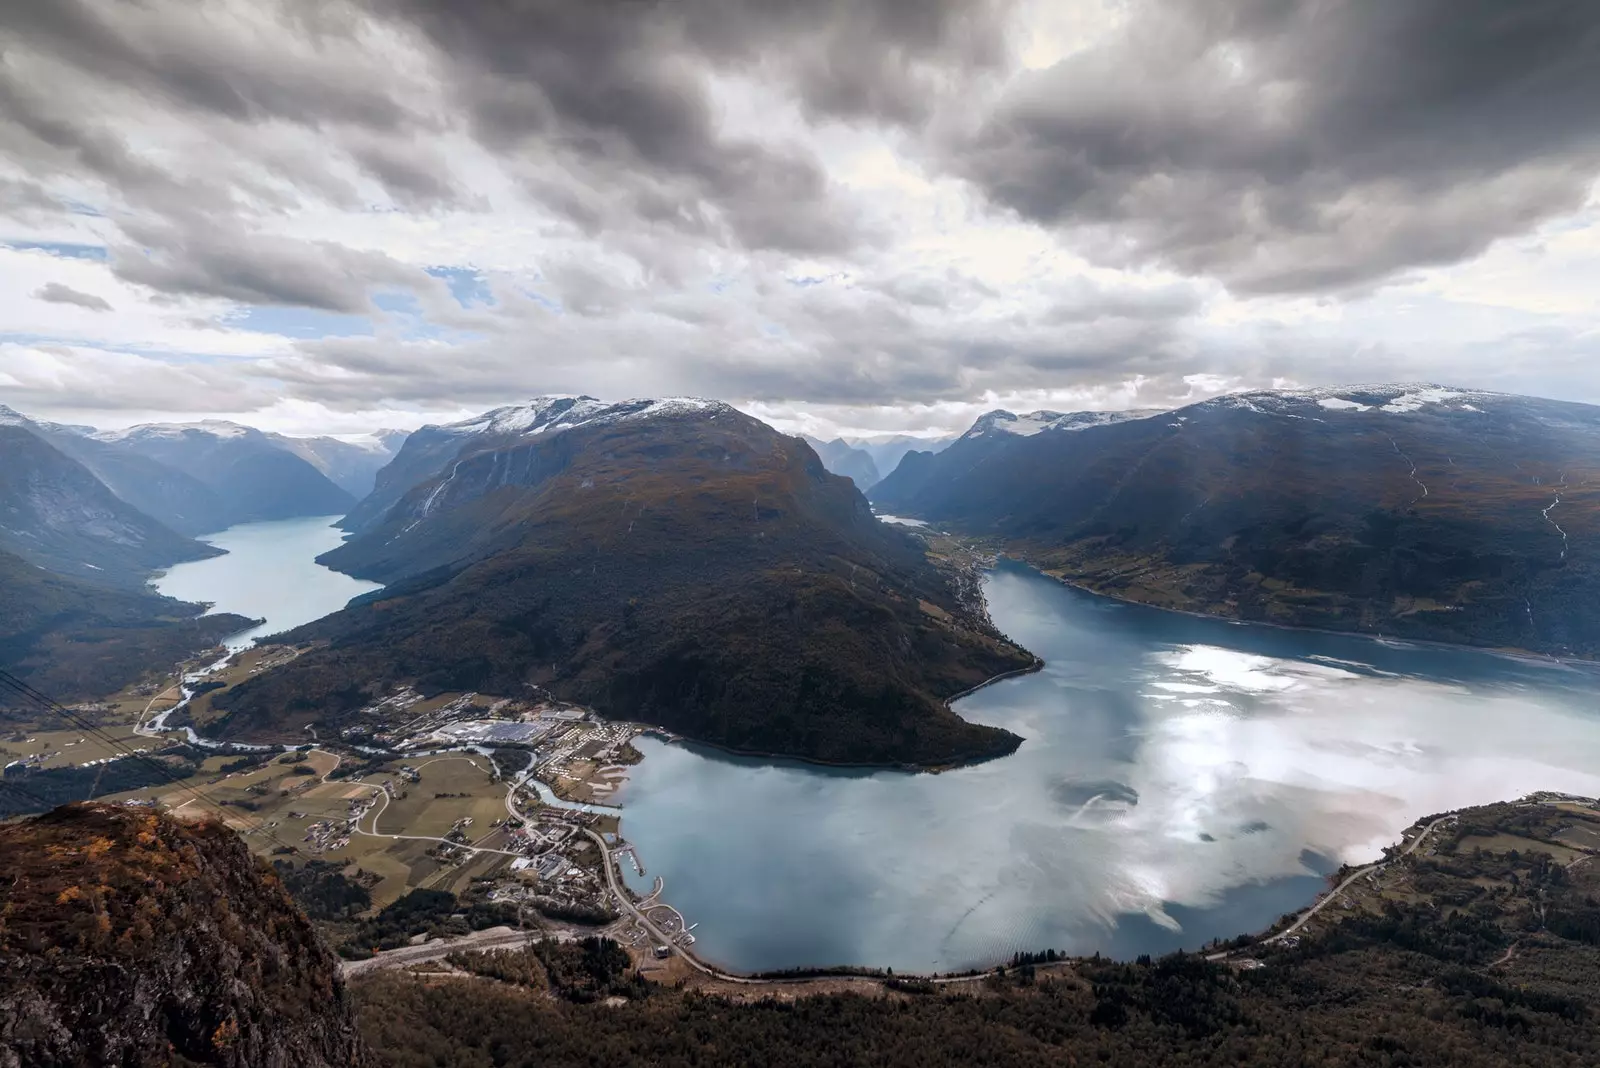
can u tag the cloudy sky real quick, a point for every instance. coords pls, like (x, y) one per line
(867, 216)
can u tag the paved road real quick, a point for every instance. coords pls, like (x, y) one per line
(476, 942)
(374, 833)
(661, 939)
(1352, 877)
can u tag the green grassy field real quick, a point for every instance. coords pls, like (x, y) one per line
(400, 865)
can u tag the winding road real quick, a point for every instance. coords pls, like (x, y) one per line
(1328, 898)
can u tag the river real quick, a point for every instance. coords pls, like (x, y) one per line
(1180, 779)
(270, 572)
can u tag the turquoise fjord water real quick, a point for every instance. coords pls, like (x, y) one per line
(1181, 779)
(270, 572)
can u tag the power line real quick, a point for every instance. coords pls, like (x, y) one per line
(47, 702)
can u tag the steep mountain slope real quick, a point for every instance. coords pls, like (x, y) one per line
(887, 453)
(179, 500)
(674, 562)
(426, 452)
(1401, 509)
(844, 459)
(76, 641)
(988, 441)
(55, 513)
(128, 938)
(351, 465)
(253, 476)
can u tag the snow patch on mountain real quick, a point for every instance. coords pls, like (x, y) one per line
(1028, 424)
(544, 415)
(217, 428)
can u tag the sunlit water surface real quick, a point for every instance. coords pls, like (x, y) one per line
(1181, 779)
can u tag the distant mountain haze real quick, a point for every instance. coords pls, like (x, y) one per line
(844, 459)
(674, 562)
(55, 513)
(887, 453)
(257, 476)
(352, 466)
(1400, 509)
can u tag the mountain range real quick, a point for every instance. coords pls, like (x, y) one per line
(55, 513)
(86, 517)
(842, 458)
(251, 476)
(673, 562)
(1408, 510)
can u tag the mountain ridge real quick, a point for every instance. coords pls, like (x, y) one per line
(674, 562)
(1408, 509)
(55, 513)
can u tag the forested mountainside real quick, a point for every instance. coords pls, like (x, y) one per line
(77, 641)
(255, 476)
(1478, 950)
(672, 562)
(128, 938)
(55, 513)
(1406, 510)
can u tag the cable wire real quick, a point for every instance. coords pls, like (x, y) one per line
(16, 685)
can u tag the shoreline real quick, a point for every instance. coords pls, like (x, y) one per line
(672, 738)
(1277, 932)
(1528, 656)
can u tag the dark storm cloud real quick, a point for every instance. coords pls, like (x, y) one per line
(192, 61)
(1296, 145)
(23, 199)
(201, 260)
(410, 172)
(56, 293)
(40, 132)
(616, 96)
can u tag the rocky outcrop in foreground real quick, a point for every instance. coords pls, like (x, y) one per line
(129, 938)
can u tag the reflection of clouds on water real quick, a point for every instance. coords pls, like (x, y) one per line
(1180, 780)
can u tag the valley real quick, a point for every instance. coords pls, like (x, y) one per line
(1168, 781)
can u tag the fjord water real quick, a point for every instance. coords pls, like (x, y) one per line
(270, 572)
(1181, 779)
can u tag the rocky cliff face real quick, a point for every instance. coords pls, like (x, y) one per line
(128, 938)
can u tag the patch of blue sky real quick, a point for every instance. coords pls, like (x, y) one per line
(397, 303)
(467, 285)
(543, 301)
(17, 337)
(301, 323)
(65, 249)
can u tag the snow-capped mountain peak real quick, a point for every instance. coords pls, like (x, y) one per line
(216, 428)
(1393, 398)
(550, 414)
(1028, 424)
